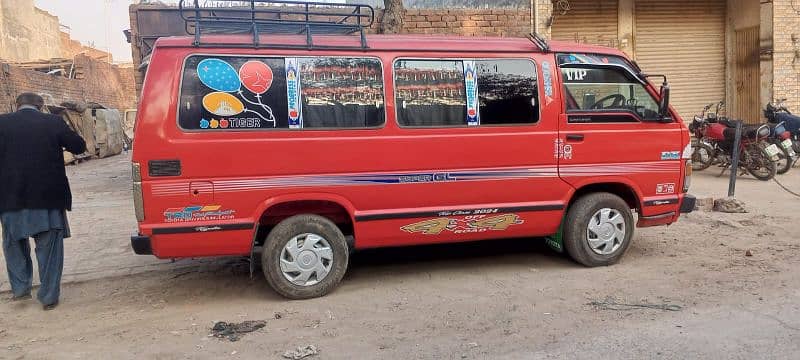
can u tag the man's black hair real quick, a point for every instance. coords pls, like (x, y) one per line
(29, 98)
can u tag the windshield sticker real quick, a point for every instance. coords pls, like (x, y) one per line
(293, 94)
(464, 224)
(198, 213)
(547, 76)
(471, 88)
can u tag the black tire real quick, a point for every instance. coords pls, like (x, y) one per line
(702, 156)
(784, 163)
(297, 226)
(757, 160)
(576, 237)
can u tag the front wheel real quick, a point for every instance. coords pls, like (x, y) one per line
(598, 229)
(759, 164)
(702, 156)
(305, 256)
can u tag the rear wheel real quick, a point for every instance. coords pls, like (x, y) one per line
(599, 229)
(702, 156)
(759, 164)
(305, 256)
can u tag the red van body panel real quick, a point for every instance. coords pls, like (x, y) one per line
(482, 182)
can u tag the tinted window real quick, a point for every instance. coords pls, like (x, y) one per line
(341, 93)
(227, 93)
(435, 93)
(430, 93)
(593, 89)
(507, 92)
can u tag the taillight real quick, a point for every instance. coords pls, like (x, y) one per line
(687, 166)
(786, 135)
(138, 198)
(687, 175)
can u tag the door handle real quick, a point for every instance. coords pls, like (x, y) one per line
(574, 137)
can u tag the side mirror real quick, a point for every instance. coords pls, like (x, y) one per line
(663, 106)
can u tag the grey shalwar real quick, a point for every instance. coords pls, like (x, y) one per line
(48, 228)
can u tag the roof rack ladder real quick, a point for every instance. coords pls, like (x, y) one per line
(255, 25)
(196, 22)
(274, 17)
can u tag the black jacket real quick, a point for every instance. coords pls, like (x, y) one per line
(32, 174)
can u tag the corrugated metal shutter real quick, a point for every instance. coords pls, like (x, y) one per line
(588, 21)
(685, 40)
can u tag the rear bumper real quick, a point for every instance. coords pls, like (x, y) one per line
(688, 203)
(141, 245)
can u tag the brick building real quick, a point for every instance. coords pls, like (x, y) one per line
(745, 52)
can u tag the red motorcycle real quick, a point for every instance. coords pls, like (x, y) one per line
(715, 138)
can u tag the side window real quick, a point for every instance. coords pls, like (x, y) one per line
(430, 93)
(437, 93)
(341, 93)
(234, 93)
(603, 90)
(507, 92)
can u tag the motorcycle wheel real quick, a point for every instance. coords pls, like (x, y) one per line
(758, 163)
(785, 162)
(702, 156)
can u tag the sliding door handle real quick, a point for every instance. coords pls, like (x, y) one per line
(574, 137)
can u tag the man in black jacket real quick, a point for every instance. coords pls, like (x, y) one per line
(34, 196)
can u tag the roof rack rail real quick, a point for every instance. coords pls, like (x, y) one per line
(257, 17)
(539, 41)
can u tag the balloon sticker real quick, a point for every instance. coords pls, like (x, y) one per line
(222, 104)
(256, 76)
(218, 75)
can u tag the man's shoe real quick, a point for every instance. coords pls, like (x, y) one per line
(50, 306)
(22, 297)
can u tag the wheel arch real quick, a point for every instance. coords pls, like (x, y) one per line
(336, 208)
(620, 187)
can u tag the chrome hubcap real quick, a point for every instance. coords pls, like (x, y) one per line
(306, 259)
(606, 231)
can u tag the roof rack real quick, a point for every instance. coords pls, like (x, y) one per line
(539, 41)
(259, 17)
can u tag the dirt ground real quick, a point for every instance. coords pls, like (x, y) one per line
(504, 299)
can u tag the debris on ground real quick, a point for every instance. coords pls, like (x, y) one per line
(704, 204)
(234, 331)
(729, 205)
(748, 253)
(301, 352)
(612, 304)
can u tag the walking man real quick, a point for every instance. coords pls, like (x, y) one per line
(34, 196)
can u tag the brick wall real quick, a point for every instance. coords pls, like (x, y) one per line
(468, 22)
(102, 83)
(786, 59)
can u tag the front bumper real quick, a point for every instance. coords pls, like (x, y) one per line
(141, 244)
(688, 203)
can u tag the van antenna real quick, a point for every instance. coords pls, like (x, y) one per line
(539, 41)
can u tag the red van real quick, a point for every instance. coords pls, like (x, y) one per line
(308, 147)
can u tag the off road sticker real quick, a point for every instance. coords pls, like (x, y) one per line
(464, 224)
(198, 213)
(670, 155)
(665, 189)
